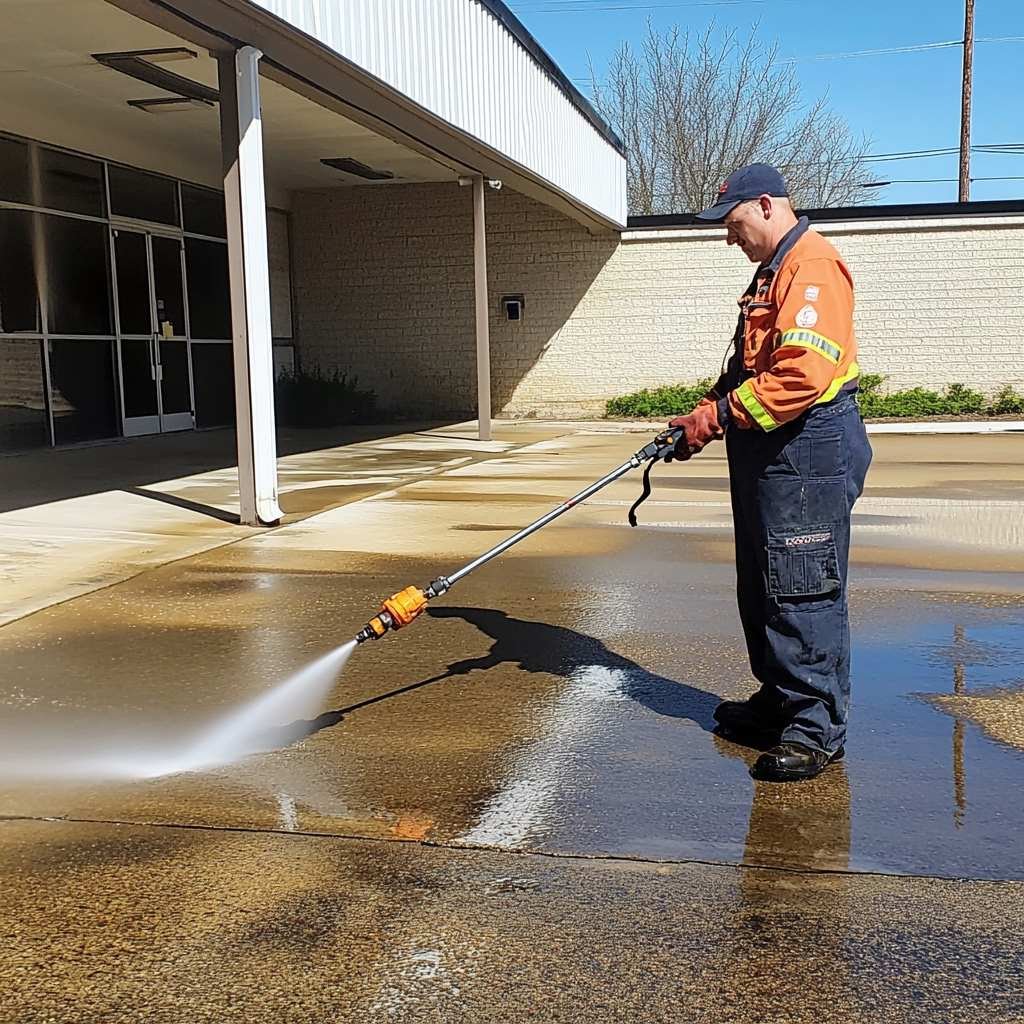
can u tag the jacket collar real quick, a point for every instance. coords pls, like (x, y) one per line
(782, 251)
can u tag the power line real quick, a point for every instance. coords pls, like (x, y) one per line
(912, 48)
(934, 181)
(884, 51)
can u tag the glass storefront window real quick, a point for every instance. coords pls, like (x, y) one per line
(20, 233)
(14, 177)
(170, 297)
(83, 385)
(58, 255)
(23, 422)
(132, 282)
(142, 196)
(78, 276)
(203, 211)
(213, 379)
(209, 292)
(72, 183)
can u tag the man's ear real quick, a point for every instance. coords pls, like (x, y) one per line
(766, 206)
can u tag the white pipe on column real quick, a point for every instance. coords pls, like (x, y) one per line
(246, 206)
(483, 336)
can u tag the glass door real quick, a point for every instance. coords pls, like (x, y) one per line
(171, 347)
(139, 402)
(153, 341)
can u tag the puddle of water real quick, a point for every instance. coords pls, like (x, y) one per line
(947, 793)
(920, 792)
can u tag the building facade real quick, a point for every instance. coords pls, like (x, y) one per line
(198, 194)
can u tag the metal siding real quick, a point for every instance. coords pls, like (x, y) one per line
(454, 58)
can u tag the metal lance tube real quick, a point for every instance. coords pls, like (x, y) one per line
(400, 609)
(539, 524)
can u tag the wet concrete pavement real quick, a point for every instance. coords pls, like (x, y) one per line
(515, 809)
(75, 520)
(172, 925)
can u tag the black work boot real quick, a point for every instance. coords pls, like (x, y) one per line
(792, 762)
(746, 720)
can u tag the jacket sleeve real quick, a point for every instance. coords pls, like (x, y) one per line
(813, 328)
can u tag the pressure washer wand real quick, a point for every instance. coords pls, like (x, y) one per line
(401, 608)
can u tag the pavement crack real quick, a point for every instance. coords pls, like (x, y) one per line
(524, 852)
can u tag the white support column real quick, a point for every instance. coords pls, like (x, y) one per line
(241, 142)
(483, 334)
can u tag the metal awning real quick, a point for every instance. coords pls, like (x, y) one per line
(455, 79)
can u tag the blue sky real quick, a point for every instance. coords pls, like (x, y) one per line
(907, 101)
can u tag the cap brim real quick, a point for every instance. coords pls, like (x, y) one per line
(719, 211)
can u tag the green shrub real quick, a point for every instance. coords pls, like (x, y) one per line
(954, 400)
(673, 400)
(962, 401)
(1007, 403)
(316, 399)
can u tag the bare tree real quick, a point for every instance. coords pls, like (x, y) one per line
(692, 109)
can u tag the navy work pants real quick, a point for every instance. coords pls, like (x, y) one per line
(793, 490)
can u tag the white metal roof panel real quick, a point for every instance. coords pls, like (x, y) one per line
(471, 63)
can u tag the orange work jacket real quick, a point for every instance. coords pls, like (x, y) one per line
(795, 345)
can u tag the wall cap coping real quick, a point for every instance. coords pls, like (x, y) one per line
(849, 227)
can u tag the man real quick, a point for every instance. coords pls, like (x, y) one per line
(798, 454)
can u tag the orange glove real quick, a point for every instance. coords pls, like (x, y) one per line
(699, 428)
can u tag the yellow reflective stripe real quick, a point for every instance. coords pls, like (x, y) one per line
(745, 393)
(833, 389)
(814, 341)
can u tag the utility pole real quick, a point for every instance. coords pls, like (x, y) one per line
(965, 103)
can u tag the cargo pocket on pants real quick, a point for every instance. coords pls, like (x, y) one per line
(803, 567)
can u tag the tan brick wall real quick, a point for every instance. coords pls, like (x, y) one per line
(383, 284)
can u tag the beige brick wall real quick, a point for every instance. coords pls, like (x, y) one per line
(383, 285)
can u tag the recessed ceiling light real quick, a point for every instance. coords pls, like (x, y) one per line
(163, 55)
(360, 170)
(136, 67)
(169, 104)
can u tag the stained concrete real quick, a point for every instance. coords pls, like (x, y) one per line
(516, 807)
(167, 926)
(75, 520)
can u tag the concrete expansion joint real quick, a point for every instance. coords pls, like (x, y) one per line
(525, 852)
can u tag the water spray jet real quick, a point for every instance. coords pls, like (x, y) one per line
(400, 609)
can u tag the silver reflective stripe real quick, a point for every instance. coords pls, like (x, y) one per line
(813, 340)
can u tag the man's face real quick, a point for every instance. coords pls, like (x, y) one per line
(749, 225)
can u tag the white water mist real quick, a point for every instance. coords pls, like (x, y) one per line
(244, 731)
(299, 696)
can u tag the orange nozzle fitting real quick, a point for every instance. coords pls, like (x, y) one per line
(404, 606)
(397, 611)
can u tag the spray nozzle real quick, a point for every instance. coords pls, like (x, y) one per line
(397, 611)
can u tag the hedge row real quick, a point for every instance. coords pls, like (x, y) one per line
(954, 400)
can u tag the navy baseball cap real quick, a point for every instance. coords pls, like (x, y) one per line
(747, 183)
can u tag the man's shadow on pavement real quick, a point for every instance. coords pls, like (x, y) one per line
(538, 647)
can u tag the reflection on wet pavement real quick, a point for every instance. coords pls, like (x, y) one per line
(376, 861)
(563, 704)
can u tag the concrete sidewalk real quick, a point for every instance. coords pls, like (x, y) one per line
(76, 520)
